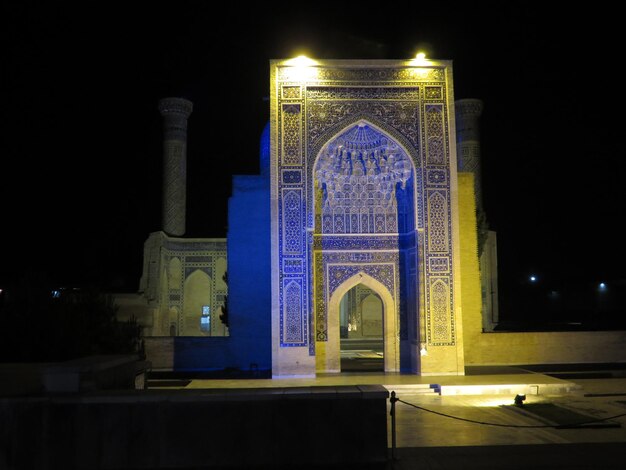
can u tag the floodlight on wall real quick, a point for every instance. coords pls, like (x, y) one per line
(300, 61)
(420, 59)
(300, 69)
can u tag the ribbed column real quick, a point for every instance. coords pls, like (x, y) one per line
(468, 112)
(175, 112)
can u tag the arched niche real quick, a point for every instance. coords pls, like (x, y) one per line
(330, 361)
(197, 294)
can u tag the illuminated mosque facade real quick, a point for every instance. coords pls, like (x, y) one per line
(365, 221)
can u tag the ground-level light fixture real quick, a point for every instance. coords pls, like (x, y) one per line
(519, 399)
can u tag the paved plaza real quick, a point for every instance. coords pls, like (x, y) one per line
(509, 439)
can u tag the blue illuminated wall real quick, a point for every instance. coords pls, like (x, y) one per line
(249, 294)
(249, 291)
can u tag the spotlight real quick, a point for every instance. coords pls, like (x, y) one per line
(420, 60)
(519, 399)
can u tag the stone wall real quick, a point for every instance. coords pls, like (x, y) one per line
(273, 428)
(500, 348)
(561, 347)
(160, 352)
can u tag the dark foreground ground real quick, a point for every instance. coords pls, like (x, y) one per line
(477, 431)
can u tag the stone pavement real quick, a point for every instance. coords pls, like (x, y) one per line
(485, 380)
(426, 440)
(584, 456)
(418, 428)
(431, 441)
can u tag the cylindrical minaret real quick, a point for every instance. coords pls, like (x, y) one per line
(468, 112)
(175, 112)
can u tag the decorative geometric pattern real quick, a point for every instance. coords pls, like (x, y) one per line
(358, 173)
(333, 268)
(293, 266)
(469, 107)
(469, 160)
(315, 148)
(293, 324)
(175, 112)
(205, 269)
(440, 312)
(434, 135)
(438, 265)
(419, 189)
(193, 255)
(291, 134)
(469, 157)
(292, 176)
(437, 223)
(433, 93)
(379, 242)
(174, 187)
(198, 259)
(362, 93)
(384, 273)
(401, 115)
(291, 92)
(292, 221)
(323, 192)
(436, 177)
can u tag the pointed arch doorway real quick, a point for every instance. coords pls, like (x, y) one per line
(329, 360)
(361, 330)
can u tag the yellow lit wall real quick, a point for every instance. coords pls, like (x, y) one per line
(560, 347)
(471, 302)
(501, 348)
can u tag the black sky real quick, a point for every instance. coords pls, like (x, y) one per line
(81, 147)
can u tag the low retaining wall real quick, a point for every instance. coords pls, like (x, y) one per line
(562, 347)
(105, 372)
(238, 428)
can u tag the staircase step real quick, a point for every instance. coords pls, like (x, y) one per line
(415, 389)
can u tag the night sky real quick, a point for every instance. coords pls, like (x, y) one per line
(81, 148)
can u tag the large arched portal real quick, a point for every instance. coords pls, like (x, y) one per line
(363, 179)
(364, 234)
